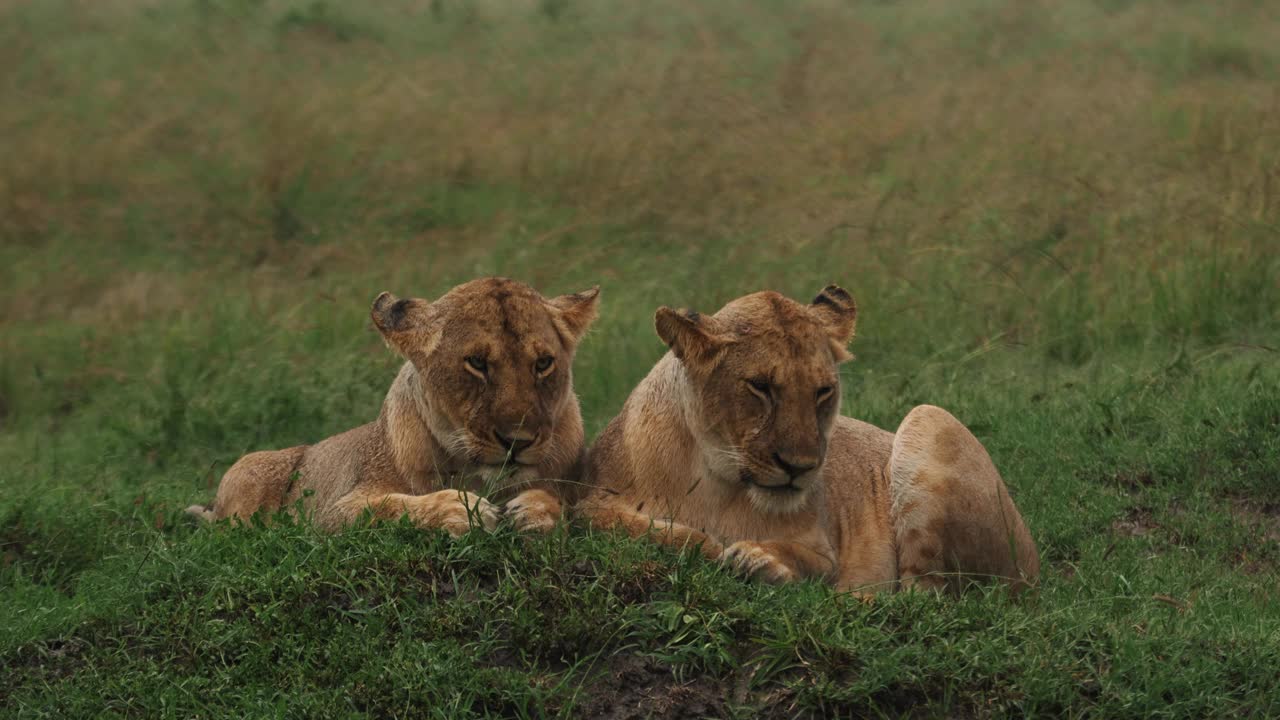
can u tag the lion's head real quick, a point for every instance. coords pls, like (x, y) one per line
(495, 361)
(764, 385)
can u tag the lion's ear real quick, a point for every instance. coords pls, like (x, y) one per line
(835, 311)
(577, 311)
(401, 322)
(694, 338)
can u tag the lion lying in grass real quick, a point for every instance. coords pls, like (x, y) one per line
(484, 402)
(734, 442)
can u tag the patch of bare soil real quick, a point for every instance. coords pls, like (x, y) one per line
(1139, 521)
(633, 687)
(1261, 516)
(1263, 520)
(43, 662)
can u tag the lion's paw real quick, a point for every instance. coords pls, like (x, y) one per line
(458, 511)
(753, 560)
(533, 510)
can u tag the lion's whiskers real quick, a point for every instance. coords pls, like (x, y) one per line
(458, 442)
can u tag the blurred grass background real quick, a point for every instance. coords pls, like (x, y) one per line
(1060, 220)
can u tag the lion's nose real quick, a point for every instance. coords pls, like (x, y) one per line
(515, 443)
(794, 467)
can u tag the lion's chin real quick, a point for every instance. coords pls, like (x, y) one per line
(506, 472)
(775, 499)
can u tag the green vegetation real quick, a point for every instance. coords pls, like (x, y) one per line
(1061, 221)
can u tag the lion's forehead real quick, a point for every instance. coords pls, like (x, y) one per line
(799, 375)
(766, 309)
(515, 327)
(773, 321)
(786, 356)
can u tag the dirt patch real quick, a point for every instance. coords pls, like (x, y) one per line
(633, 687)
(1249, 565)
(1138, 522)
(1263, 517)
(643, 580)
(42, 662)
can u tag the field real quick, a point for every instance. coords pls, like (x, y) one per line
(1061, 221)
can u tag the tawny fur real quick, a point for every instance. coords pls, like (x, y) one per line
(775, 483)
(485, 413)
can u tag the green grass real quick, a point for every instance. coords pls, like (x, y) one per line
(1060, 222)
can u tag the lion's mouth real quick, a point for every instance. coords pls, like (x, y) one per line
(788, 488)
(495, 459)
(506, 462)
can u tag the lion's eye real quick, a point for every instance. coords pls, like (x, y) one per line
(760, 386)
(825, 393)
(478, 364)
(544, 363)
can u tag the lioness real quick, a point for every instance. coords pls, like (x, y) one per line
(734, 441)
(484, 401)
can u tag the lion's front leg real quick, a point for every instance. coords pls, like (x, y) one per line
(455, 511)
(534, 510)
(610, 515)
(779, 562)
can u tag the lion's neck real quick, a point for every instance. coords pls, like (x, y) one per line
(711, 462)
(665, 421)
(403, 421)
